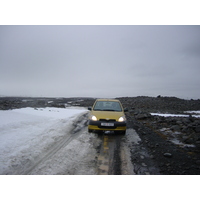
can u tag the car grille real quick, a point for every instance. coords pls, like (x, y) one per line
(109, 120)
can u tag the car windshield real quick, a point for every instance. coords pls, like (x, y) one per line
(107, 106)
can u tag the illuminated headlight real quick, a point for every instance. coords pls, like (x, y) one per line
(122, 119)
(93, 118)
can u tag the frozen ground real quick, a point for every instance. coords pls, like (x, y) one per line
(45, 141)
(175, 136)
(193, 113)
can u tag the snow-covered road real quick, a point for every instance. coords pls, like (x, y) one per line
(52, 141)
(46, 141)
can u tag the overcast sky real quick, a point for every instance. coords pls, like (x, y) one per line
(100, 61)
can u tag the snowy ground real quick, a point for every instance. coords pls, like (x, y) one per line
(174, 135)
(193, 113)
(45, 141)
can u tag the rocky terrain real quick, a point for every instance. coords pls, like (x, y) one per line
(7, 103)
(173, 142)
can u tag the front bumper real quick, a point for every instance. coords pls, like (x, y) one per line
(100, 125)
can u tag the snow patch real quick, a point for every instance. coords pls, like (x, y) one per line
(178, 115)
(178, 142)
(27, 132)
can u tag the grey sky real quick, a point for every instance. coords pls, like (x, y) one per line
(100, 61)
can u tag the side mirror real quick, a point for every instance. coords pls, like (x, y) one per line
(125, 109)
(89, 108)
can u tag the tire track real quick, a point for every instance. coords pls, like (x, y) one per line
(112, 159)
(75, 132)
(115, 156)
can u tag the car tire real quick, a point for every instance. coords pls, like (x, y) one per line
(89, 130)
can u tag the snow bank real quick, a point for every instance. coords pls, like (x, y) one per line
(193, 112)
(178, 115)
(26, 132)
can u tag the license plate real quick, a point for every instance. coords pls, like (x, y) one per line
(107, 124)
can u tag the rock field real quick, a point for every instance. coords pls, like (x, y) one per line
(173, 142)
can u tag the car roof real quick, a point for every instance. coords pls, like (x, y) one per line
(107, 100)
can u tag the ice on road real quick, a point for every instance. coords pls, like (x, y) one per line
(41, 141)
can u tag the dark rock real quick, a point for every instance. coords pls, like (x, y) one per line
(179, 122)
(190, 139)
(197, 129)
(198, 162)
(186, 121)
(143, 116)
(168, 155)
(175, 128)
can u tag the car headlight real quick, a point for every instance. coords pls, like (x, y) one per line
(93, 118)
(122, 119)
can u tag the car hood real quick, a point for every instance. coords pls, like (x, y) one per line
(107, 114)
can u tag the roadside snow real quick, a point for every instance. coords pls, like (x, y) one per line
(181, 144)
(193, 112)
(27, 133)
(177, 115)
(76, 158)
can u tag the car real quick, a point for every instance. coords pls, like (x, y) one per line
(107, 115)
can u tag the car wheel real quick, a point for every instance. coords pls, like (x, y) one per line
(90, 130)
